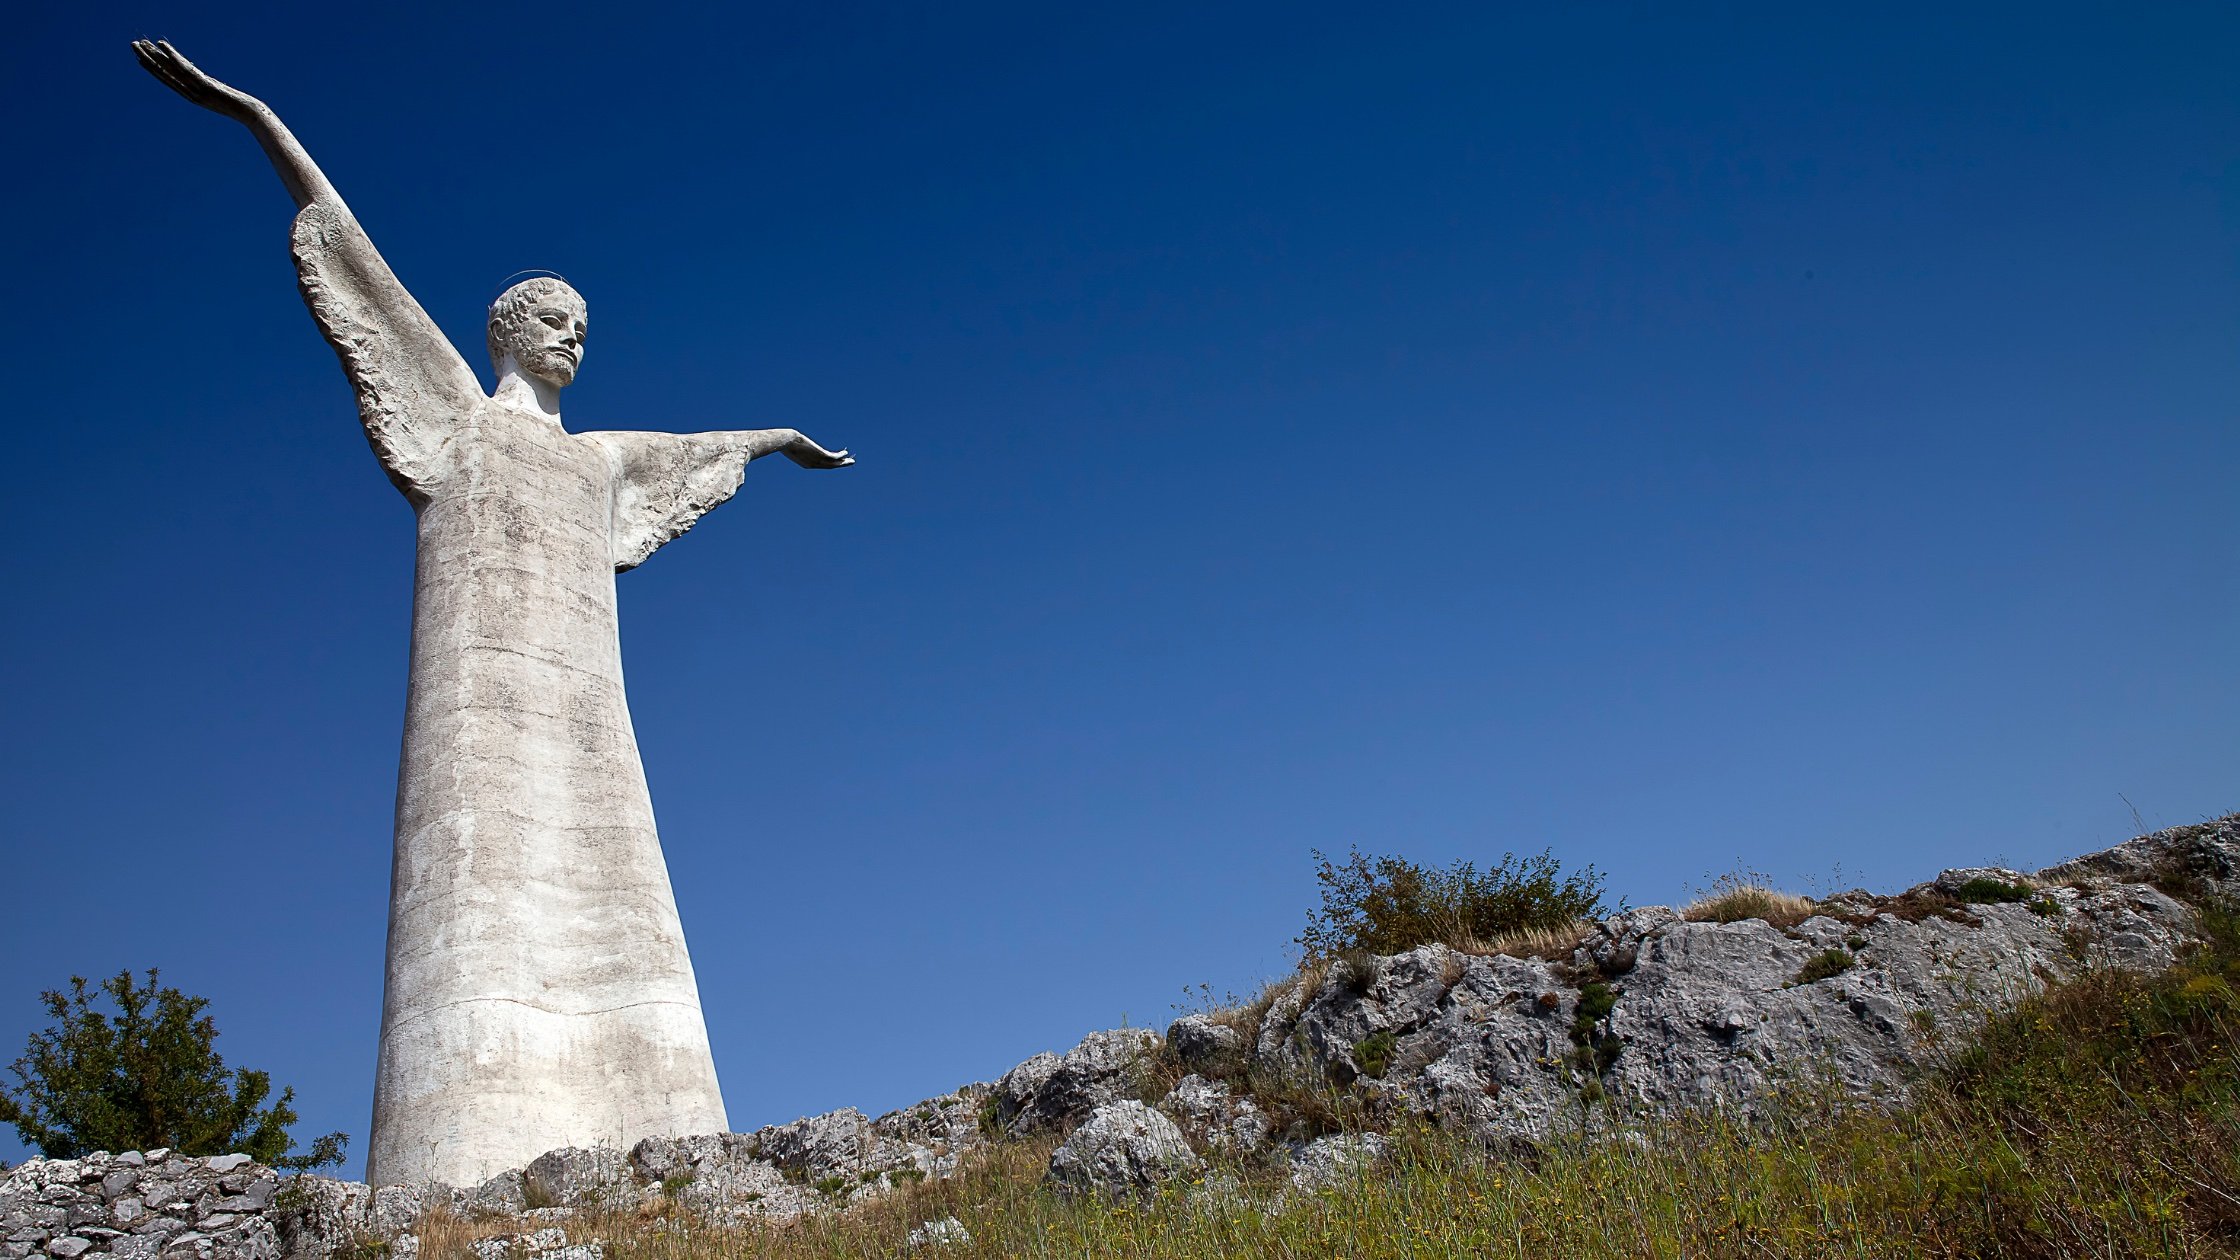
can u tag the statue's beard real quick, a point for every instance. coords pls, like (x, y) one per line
(547, 363)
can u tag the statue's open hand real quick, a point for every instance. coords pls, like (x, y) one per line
(180, 75)
(808, 454)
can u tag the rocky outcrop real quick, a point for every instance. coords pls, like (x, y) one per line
(1049, 1092)
(1651, 1010)
(1646, 1010)
(1124, 1148)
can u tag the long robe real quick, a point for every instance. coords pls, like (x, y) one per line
(538, 993)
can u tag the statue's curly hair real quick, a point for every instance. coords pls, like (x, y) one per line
(512, 308)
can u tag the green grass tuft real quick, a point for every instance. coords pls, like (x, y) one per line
(1826, 963)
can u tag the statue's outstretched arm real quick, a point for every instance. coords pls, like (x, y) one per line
(665, 482)
(791, 443)
(306, 183)
(413, 388)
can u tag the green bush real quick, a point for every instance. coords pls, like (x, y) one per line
(146, 1077)
(1984, 890)
(1388, 905)
(1373, 1053)
(1826, 963)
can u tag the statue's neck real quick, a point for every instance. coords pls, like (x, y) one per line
(519, 389)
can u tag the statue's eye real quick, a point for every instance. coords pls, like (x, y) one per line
(554, 321)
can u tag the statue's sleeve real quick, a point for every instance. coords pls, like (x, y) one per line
(664, 484)
(413, 388)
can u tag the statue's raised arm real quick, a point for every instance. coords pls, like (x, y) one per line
(413, 388)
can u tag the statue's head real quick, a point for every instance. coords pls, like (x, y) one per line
(540, 322)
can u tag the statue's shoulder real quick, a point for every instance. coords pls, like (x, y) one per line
(415, 394)
(387, 343)
(664, 483)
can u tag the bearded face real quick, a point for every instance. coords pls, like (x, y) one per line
(540, 322)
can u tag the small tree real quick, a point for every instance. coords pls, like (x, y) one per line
(1386, 905)
(146, 1077)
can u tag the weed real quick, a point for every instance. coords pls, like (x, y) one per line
(1594, 1047)
(1743, 895)
(1373, 1053)
(1547, 943)
(1356, 971)
(1823, 965)
(1984, 890)
(1388, 905)
(1917, 904)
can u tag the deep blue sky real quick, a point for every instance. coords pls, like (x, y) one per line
(1680, 438)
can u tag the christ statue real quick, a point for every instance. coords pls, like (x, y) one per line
(537, 992)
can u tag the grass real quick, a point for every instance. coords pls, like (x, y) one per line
(2101, 1118)
(1825, 964)
(1548, 943)
(1734, 902)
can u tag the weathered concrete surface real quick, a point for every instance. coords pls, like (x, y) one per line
(538, 992)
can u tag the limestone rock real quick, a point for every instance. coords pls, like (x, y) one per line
(1197, 1041)
(543, 1244)
(719, 1177)
(1335, 1161)
(835, 1144)
(946, 1232)
(1047, 1092)
(1708, 1013)
(1213, 1115)
(573, 1177)
(2203, 857)
(1123, 1148)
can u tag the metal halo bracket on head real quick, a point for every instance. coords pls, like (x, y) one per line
(531, 273)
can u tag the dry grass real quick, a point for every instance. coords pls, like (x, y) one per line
(443, 1233)
(1733, 903)
(2099, 1119)
(1547, 943)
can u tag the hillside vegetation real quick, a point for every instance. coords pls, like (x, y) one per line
(2100, 1118)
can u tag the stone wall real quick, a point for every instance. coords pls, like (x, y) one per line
(141, 1205)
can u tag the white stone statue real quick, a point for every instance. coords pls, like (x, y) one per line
(538, 993)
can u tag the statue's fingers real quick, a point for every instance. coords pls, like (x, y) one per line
(184, 87)
(152, 59)
(180, 66)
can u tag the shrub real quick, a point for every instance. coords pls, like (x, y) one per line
(1984, 890)
(1388, 905)
(146, 1077)
(1373, 1053)
(1596, 1047)
(1826, 963)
